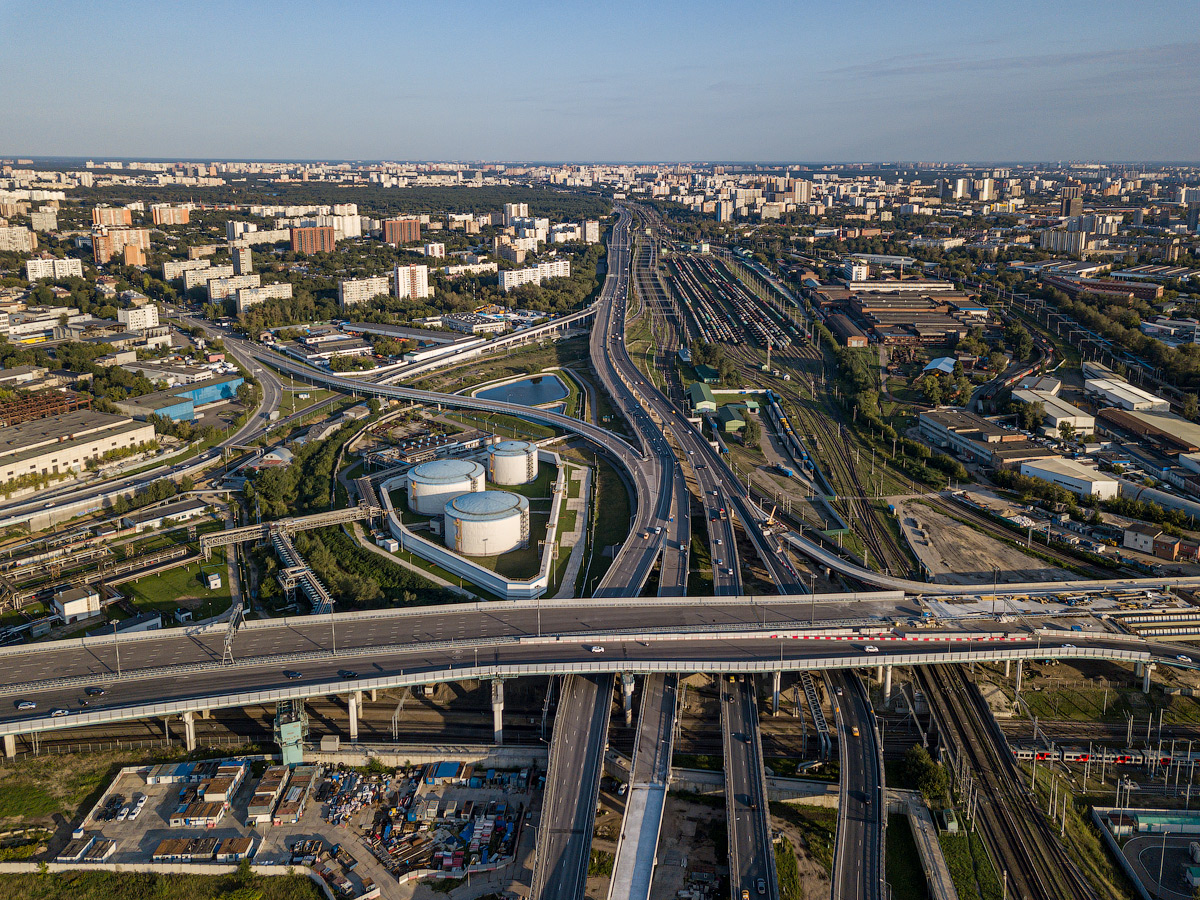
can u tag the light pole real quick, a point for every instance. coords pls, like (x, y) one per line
(117, 647)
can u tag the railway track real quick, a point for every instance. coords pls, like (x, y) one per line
(1017, 837)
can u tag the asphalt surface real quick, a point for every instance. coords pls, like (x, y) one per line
(577, 759)
(751, 858)
(858, 857)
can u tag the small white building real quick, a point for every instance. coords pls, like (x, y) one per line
(1076, 478)
(1141, 537)
(76, 603)
(213, 580)
(1058, 411)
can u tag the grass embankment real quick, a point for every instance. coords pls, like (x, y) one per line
(970, 869)
(611, 518)
(788, 871)
(904, 872)
(147, 885)
(817, 826)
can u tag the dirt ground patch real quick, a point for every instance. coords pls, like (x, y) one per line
(692, 827)
(810, 832)
(956, 553)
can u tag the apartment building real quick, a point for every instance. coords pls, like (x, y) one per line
(354, 291)
(514, 278)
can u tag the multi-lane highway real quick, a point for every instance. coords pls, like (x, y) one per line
(564, 831)
(858, 860)
(751, 854)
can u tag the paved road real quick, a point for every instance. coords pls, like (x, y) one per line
(751, 857)
(650, 774)
(573, 785)
(12, 512)
(858, 858)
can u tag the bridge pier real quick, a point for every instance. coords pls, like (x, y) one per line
(10, 745)
(355, 705)
(167, 728)
(879, 674)
(374, 695)
(1139, 669)
(1019, 669)
(498, 710)
(887, 685)
(776, 678)
(627, 697)
(1008, 668)
(189, 731)
(1147, 668)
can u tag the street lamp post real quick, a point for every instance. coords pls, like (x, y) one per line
(117, 647)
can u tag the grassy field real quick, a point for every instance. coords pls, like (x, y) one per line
(169, 590)
(36, 788)
(788, 871)
(151, 886)
(904, 872)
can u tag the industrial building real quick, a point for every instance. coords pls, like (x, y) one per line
(1076, 478)
(1058, 411)
(180, 403)
(66, 443)
(431, 485)
(1164, 431)
(156, 517)
(75, 603)
(486, 523)
(976, 439)
(846, 331)
(729, 419)
(701, 398)
(512, 462)
(1114, 392)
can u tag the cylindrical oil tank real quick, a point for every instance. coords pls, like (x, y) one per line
(512, 462)
(431, 484)
(487, 523)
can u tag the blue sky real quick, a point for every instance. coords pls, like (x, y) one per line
(845, 81)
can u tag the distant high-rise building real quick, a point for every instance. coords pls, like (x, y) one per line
(401, 231)
(353, 291)
(412, 281)
(986, 190)
(16, 239)
(313, 239)
(724, 210)
(1071, 190)
(111, 216)
(243, 260)
(1193, 218)
(515, 211)
(108, 242)
(133, 255)
(139, 318)
(166, 214)
(437, 251)
(44, 220)
(591, 232)
(1071, 206)
(514, 278)
(53, 268)
(234, 230)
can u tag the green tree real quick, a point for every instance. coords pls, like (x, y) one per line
(1066, 432)
(1191, 407)
(1032, 415)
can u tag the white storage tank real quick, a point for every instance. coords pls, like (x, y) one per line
(431, 484)
(512, 462)
(487, 523)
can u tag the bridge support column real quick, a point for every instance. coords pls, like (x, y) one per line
(189, 731)
(1139, 669)
(374, 695)
(1019, 668)
(10, 745)
(1146, 670)
(776, 678)
(887, 684)
(206, 713)
(1008, 668)
(355, 705)
(879, 674)
(627, 698)
(167, 727)
(498, 710)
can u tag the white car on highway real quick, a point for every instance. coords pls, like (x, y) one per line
(871, 648)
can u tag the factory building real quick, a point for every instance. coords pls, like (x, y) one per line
(487, 523)
(1058, 411)
(431, 485)
(1114, 392)
(512, 462)
(66, 443)
(1076, 478)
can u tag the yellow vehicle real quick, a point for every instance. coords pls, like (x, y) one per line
(854, 731)
(745, 894)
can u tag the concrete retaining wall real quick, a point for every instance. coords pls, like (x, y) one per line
(16, 868)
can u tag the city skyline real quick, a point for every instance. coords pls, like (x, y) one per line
(772, 83)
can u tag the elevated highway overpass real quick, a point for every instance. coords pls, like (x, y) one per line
(180, 671)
